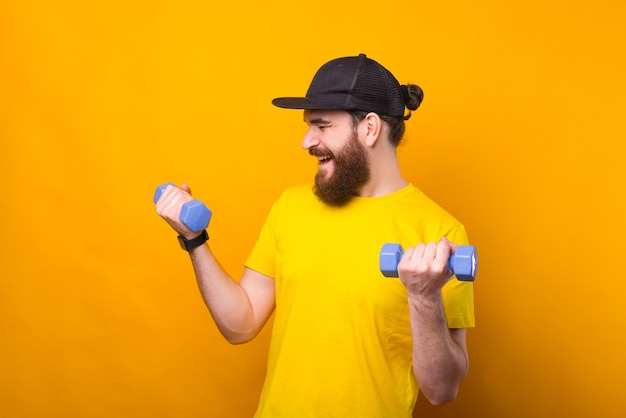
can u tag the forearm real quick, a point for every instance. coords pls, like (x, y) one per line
(439, 362)
(226, 300)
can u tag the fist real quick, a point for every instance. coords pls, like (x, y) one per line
(169, 206)
(424, 269)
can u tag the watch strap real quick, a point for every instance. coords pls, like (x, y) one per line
(190, 244)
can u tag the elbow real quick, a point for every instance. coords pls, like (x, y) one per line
(443, 390)
(442, 398)
(442, 393)
(237, 338)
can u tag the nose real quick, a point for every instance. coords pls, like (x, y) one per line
(310, 139)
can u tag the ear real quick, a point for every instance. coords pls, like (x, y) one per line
(373, 128)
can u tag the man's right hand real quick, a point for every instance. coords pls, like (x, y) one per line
(169, 206)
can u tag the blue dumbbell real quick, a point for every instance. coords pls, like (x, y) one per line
(194, 214)
(463, 262)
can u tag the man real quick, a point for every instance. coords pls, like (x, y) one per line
(346, 340)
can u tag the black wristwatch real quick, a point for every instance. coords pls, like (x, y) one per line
(190, 244)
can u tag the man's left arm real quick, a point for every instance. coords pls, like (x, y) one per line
(440, 360)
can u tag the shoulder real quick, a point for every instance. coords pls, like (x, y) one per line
(298, 191)
(412, 198)
(294, 198)
(415, 210)
(298, 194)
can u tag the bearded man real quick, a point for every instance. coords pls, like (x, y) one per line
(346, 341)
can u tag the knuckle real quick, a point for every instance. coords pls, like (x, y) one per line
(440, 266)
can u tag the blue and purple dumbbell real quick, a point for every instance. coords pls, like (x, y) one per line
(194, 214)
(463, 263)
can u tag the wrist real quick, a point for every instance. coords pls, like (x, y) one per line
(427, 309)
(424, 298)
(191, 235)
(189, 244)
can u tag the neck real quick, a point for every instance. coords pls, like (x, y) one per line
(385, 176)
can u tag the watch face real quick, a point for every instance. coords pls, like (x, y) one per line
(182, 242)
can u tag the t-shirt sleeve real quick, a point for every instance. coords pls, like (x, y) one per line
(263, 255)
(458, 296)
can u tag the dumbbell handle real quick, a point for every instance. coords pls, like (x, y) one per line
(193, 214)
(463, 263)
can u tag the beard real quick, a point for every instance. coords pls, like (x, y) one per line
(351, 171)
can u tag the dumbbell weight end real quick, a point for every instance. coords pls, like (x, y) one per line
(195, 215)
(159, 191)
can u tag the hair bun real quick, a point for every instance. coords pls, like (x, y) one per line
(413, 96)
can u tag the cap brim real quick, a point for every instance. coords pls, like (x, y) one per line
(303, 103)
(292, 102)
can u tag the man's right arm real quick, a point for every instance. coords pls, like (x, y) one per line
(239, 309)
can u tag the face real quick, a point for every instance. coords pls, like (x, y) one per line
(343, 163)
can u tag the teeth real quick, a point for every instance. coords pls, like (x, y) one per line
(320, 159)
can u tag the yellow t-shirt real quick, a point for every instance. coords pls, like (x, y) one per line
(341, 343)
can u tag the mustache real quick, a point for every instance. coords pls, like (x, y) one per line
(316, 152)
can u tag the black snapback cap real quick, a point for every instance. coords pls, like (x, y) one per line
(351, 83)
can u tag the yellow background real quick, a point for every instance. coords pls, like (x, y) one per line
(520, 136)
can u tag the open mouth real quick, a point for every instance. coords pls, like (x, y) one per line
(324, 159)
